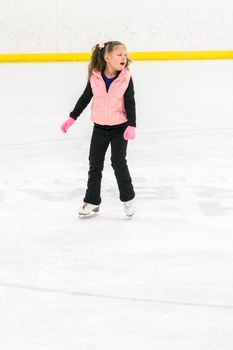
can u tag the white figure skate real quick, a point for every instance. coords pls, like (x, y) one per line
(129, 207)
(88, 209)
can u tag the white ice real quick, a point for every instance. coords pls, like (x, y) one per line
(160, 281)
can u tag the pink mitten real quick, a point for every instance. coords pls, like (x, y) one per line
(67, 124)
(129, 133)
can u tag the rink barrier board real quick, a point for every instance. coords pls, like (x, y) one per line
(135, 56)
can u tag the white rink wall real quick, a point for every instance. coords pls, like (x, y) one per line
(29, 26)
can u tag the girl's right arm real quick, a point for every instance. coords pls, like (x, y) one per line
(81, 104)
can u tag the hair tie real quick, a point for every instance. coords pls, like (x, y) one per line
(101, 45)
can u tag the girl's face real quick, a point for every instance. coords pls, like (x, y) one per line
(116, 59)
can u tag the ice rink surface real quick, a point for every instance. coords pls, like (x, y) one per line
(162, 280)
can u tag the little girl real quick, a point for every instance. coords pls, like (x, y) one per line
(113, 114)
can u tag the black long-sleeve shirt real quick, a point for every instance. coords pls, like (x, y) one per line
(129, 103)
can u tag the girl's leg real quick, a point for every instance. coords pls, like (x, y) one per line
(98, 147)
(119, 164)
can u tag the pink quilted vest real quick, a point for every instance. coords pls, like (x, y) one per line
(108, 107)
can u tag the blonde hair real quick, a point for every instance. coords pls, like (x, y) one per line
(97, 61)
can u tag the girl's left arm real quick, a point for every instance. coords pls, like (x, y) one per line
(129, 102)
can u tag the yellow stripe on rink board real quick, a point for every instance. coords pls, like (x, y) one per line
(182, 55)
(135, 56)
(44, 57)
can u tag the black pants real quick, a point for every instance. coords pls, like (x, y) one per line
(101, 138)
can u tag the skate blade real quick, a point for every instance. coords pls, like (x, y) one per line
(130, 215)
(94, 212)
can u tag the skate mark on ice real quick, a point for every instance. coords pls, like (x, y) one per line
(2, 195)
(112, 297)
(154, 192)
(56, 196)
(214, 192)
(214, 208)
